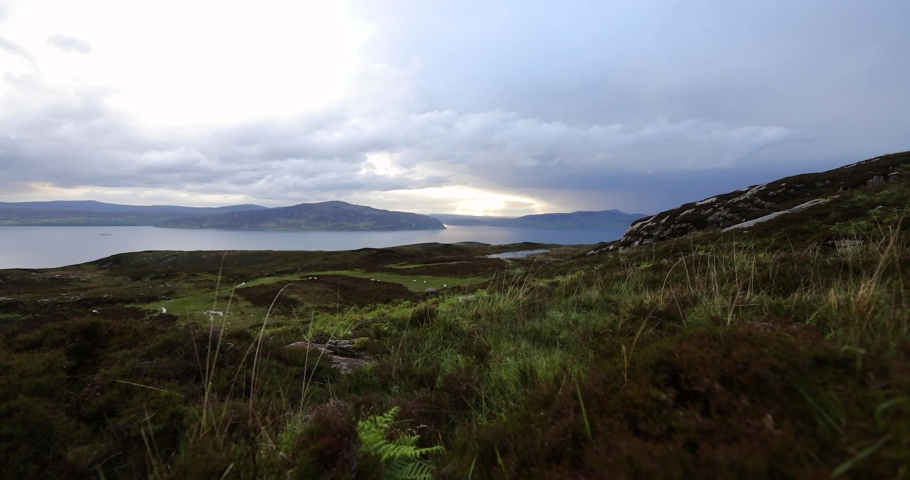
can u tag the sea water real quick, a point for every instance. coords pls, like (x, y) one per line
(49, 247)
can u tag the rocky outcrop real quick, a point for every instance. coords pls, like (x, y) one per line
(342, 354)
(765, 200)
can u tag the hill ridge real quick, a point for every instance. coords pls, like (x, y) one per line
(763, 200)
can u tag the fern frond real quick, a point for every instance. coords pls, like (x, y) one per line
(406, 470)
(401, 458)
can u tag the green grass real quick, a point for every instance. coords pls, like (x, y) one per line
(415, 283)
(271, 280)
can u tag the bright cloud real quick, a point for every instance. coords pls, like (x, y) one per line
(176, 63)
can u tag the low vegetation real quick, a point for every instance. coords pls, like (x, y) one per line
(781, 351)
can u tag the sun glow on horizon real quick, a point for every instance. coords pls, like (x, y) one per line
(458, 200)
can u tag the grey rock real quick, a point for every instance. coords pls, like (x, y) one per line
(340, 353)
(345, 347)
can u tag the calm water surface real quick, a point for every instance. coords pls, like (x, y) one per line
(517, 254)
(48, 247)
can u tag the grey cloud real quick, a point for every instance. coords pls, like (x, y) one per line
(75, 139)
(72, 138)
(825, 67)
(453, 137)
(503, 140)
(17, 51)
(654, 192)
(69, 44)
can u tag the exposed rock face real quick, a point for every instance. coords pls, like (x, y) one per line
(770, 216)
(762, 200)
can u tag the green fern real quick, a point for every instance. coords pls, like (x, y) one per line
(401, 458)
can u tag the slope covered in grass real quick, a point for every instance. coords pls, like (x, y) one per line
(779, 351)
(729, 209)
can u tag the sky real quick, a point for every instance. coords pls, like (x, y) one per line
(508, 107)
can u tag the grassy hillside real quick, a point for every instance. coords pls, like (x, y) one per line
(781, 351)
(757, 201)
(338, 216)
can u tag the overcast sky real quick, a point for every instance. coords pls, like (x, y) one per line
(486, 107)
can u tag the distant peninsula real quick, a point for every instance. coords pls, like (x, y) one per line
(334, 215)
(584, 220)
(91, 213)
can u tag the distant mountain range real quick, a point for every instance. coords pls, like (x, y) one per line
(601, 220)
(101, 207)
(339, 216)
(335, 215)
(92, 213)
